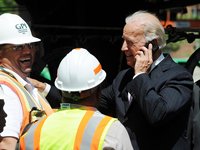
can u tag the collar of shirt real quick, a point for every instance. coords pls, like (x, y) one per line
(23, 82)
(19, 79)
(157, 61)
(76, 106)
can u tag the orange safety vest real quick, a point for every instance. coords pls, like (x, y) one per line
(69, 129)
(27, 101)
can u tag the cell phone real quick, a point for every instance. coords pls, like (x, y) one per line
(154, 44)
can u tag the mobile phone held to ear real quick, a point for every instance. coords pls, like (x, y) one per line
(154, 45)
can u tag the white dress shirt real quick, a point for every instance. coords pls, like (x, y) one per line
(13, 107)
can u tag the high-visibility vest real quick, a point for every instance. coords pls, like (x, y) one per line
(69, 129)
(31, 109)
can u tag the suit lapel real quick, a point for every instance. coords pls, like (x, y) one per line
(158, 70)
(123, 88)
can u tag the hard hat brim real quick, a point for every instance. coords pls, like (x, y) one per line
(21, 40)
(70, 89)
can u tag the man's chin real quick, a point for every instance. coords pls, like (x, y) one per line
(129, 63)
(27, 71)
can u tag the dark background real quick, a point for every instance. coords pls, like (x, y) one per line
(94, 12)
(93, 24)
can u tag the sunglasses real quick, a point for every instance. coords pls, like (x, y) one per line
(21, 47)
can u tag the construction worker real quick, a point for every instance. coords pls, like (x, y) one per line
(77, 124)
(23, 103)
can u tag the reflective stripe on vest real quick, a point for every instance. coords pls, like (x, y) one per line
(27, 101)
(34, 133)
(72, 129)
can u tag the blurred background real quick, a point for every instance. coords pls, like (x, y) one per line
(97, 26)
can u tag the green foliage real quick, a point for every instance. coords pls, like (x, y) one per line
(171, 47)
(7, 6)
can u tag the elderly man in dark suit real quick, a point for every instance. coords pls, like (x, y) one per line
(152, 98)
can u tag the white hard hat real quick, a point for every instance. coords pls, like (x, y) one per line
(14, 30)
(79, 70)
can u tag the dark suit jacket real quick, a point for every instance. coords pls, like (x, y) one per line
(54, 97)
(157, 116)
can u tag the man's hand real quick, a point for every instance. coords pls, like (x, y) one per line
(39, 85)
(143, 59)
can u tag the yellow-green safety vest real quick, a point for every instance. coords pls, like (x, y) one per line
(69, 129)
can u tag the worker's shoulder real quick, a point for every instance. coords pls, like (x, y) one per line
(117, 126)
